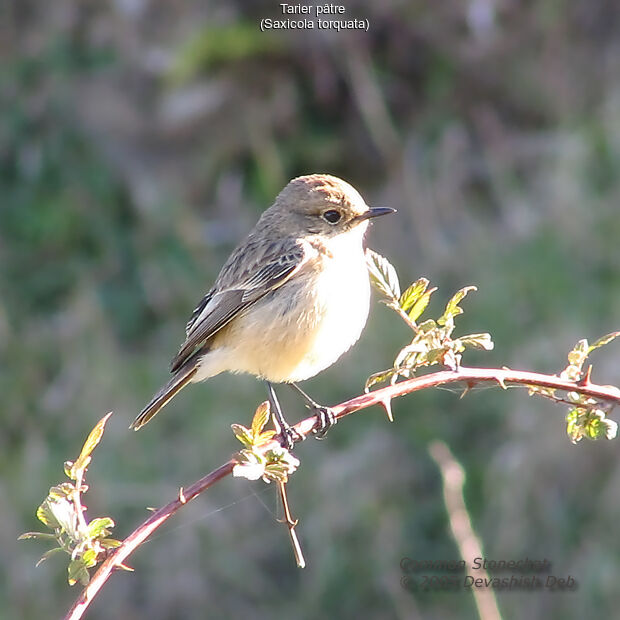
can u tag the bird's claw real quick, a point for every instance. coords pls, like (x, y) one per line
(326, 419)
(289, 437)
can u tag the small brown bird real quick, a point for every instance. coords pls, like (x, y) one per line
(291, 299)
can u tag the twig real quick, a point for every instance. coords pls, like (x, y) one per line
(77, 500)
(405, 317)
(453, 478)
(470, 376)
(139, 535)
(291, 523)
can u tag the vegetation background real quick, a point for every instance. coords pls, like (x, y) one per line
(141, 139)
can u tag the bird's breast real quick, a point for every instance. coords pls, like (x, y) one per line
(305, 325)
(339, 300)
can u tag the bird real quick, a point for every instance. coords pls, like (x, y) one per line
(291, 299)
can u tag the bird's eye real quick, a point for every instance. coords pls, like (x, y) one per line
(332, 216)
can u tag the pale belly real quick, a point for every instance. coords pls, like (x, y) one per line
(297, 330)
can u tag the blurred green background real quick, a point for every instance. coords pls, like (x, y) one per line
(140, 140)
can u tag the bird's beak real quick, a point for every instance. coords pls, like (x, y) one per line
(374, 212)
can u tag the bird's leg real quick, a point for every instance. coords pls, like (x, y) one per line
(326, 416)
(289, 434)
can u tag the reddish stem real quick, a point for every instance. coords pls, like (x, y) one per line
(469, 376)
(139, 535)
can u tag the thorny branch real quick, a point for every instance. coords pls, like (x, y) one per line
(469, 376)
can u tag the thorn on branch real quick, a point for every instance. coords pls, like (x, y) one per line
(386, 403)
(500, 380)
(585, 379)
(468, 387)
(122, 566)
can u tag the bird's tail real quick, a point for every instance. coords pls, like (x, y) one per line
(180, 379)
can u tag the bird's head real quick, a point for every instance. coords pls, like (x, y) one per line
(321, 204)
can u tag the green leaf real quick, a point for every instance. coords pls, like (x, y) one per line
(280, 464)
(453, 309)
(61, 491)
(590, 423)
(427, 326)
(578, 355)
(31, 535)
(413, 293)
(573, 425)
(77, 572)
(436, 356)
(276, 472)
(420, 305)
(110, 543)
(89, 557)
(407, 356)
(407, 373)
(603, 341)
(610, 428)
(100, 527)
(68, 467)
(597, 426)
(378, 377)
(243, 434)
(478, 341)
(89, 445)
(249, 465)
(261, 417)
(48, 554)
(383, 275)
(46, 516)
(65, 515)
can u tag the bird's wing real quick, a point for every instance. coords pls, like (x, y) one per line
(247, 285)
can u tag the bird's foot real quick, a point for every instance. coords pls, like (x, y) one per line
(325, 415)
(289, 437)
(326, 419)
